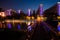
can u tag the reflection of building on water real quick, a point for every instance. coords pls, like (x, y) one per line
(9, 25)
(19, 27)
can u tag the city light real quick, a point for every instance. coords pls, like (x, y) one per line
(19, 27)
(9, 25)
(9, 12)
(0, 14)
(38, 18)
(28, 17)
(58, 17)
(58, 28)
(58, 8)
(29, 12)
(29, 23)
(32, 17)
(29, 28)
(3, 14)
(19, 11)
(41, 9)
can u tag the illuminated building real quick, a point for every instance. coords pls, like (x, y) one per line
(8, 12)
(41, 9)
(19, 11)
(58, 8)
(29, 12)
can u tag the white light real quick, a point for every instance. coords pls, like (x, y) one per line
(29, 28)
(41, 4)
(28, 23)
(58, 2)
(19, 11)
(29, 12)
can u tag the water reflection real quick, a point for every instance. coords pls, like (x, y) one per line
(58, 28)
(9, 25)
(18, 26)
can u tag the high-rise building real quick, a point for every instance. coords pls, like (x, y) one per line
(58, 8)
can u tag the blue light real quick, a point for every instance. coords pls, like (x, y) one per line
(29, 28)
(9, 25)
(58, 28)
(41, 9)
(19, 27)
(59, 8)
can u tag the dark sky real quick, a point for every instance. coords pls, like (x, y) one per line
(25, 4)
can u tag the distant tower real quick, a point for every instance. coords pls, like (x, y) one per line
(19, 11)
(41, 9)
(58, 8)
(29, 12)
(9, 12)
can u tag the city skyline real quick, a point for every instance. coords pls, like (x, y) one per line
(26, 4)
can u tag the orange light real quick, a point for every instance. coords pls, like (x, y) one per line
(28, 17)
(38, 18)
(58, 23)
(42, 18)
(3, 14)
(58, 33)
(0, 14)
(58, 17)
(32, 17)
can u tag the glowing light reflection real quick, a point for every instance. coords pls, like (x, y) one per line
(9, 25)
(58, 28)
(19, 27)
(29, 28)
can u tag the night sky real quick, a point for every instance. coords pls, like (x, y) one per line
(25, 4)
